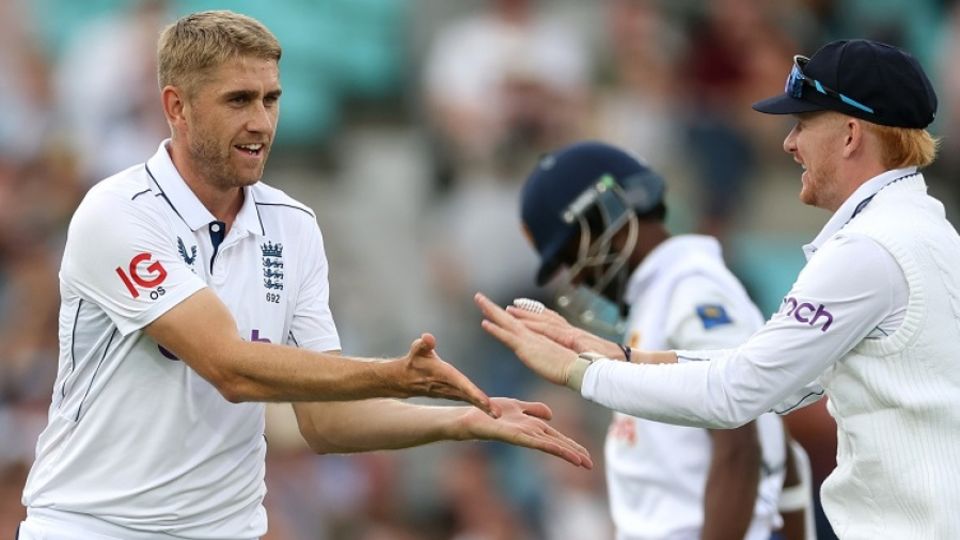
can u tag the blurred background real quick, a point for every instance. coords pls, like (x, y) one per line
(409, 125)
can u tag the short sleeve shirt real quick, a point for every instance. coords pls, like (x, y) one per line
(135, 437)
(682, 295)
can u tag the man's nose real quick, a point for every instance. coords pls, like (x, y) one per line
(790, 142)
(261, 120)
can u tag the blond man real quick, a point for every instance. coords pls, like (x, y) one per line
(192, 292)
(872, 321)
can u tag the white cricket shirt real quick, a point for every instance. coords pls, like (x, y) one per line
(138, 445)
(852, 280)
(683, 296)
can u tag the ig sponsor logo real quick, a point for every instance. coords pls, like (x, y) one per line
(807, 313)
(147, 277)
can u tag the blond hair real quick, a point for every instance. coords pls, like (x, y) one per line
(194, 45)
(904, 147)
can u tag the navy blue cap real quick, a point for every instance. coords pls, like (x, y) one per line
(562, 176)
(881, 77)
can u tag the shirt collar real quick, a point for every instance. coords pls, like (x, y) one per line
(185, 203)
(854, 203)
(665, 255)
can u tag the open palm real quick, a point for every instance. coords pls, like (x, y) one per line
(524, 423)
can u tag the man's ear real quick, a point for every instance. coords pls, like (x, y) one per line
(853, 136)
(174, 101)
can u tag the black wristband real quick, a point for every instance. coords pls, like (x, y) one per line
(626, 352)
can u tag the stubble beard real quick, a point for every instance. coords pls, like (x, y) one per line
(215, 167)
(821, 187)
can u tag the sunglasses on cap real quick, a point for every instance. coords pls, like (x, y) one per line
(797, 80)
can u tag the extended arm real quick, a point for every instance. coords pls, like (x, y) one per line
(119, 256)
(826, 314)
(250, 371)
(383, 424)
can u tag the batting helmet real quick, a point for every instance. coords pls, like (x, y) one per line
(569, 182)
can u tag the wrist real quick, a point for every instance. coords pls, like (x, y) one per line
(578, 370)
(393, 376)
(457, 426)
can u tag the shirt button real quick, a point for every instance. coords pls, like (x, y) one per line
(215, 227)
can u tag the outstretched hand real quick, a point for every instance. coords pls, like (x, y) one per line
(545, 357)
(426, 374)
(551, 324)
(524, 423)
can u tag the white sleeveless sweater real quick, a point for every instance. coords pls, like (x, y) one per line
(896, 400)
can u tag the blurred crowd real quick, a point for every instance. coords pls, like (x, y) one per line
(409, 126)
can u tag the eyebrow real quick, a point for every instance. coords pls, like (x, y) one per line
(250, 94)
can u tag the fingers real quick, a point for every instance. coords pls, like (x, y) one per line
(560, 332)
(558, 335)
(504, 336)
(499, 323)
(442, 380)
(555, 317)
(424, 345)
(577, 447)
(551, 446)
(495, 313)
(547, 315)
(527, 304)
(524, 424)
(465, 390)
(556, 446)
(535, 408)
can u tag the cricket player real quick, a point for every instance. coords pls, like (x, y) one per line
(598, 212)
(872, 320)
(191, 293)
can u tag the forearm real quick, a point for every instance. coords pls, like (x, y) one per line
(267, 372)
(376, 424)
(256, 371)
(691, 393)
(732, 483)
(652, 357)
(728, 388)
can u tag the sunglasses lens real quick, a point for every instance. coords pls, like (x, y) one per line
(794, 85)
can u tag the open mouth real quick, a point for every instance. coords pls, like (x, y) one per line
(253, 150)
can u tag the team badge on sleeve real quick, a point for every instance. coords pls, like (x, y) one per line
(712, 315)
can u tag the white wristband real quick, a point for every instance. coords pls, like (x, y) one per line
(579, 368)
